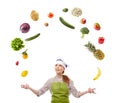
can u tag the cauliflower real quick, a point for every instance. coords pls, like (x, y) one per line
(77, 12)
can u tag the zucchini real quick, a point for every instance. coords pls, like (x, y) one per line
(32, 37)
(66, 23)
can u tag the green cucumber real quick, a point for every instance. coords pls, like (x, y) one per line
(66, 23)
(32, 37)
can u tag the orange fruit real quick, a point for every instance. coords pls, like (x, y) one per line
(24, 55)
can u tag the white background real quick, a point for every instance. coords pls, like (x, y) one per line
(55, 41)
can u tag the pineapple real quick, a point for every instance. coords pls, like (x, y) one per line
(98, 54)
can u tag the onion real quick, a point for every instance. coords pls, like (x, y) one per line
(25, 27)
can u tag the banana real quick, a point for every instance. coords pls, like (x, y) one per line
(98, 74)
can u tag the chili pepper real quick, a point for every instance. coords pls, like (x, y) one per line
(17, 63)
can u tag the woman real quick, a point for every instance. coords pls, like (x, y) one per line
(60, 86)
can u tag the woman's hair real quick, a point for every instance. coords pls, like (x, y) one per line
(66, 79)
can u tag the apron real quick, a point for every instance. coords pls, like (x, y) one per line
(59, 92)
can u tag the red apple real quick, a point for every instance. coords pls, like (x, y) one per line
(83, 20)
(97, 26)
(101, 40)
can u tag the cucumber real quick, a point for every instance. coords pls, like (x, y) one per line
(66, 23)
(32, 37)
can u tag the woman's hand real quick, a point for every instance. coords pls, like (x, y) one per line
(91, 90)
(25, 86)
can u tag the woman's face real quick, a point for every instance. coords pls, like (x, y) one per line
(59, 69)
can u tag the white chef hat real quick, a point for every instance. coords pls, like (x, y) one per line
(61, 62)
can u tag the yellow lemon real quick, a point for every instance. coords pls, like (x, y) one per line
(24, 73)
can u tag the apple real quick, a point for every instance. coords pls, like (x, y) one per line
(97, 26)
(101, 40)
(83, 20)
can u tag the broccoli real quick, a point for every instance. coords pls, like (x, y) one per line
(84, 31)
(17, 44)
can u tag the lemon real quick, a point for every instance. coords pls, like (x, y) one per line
(24, 73)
